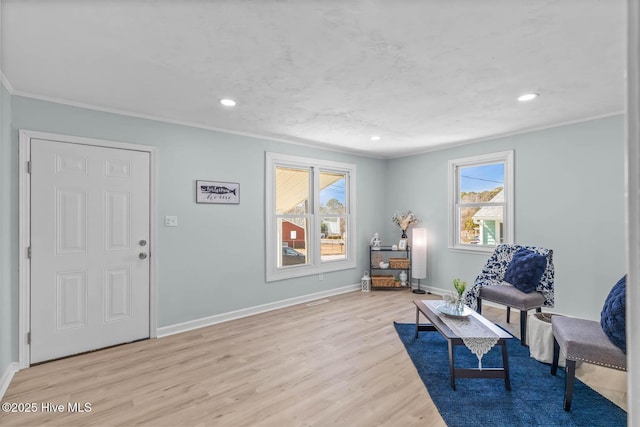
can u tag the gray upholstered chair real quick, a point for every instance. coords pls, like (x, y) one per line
(489, 286)
(585, 341)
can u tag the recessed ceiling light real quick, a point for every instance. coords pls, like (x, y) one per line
(527, 97)
(375, 138)
(228, 102)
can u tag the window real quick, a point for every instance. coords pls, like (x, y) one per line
(481, 201)
(309, 206)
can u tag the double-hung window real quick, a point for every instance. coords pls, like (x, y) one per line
(309, 210)
(481, 201)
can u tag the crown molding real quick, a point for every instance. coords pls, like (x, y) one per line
(315, 145)
(6, 83)
(447, 146)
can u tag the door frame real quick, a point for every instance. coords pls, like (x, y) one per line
(24, 275)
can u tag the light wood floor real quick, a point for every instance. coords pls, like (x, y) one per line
(339, 363)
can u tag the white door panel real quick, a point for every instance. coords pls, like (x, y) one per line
(89, 212)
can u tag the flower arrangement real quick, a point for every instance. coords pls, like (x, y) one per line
(460, 286)
(404, 219)
(456, 301)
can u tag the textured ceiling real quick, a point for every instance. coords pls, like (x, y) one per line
(420, 74)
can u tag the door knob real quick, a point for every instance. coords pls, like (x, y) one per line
(143, 255)
(142, 243)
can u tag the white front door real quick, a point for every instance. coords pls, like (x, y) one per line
(89, 248)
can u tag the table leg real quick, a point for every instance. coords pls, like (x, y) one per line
(452, 371)
(417, 321)
(505, 365)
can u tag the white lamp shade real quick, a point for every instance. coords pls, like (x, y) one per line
(419, 253)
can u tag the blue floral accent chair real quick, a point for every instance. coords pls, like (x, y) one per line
(490, 286)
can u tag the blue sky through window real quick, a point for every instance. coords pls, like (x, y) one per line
(333, 191)
(481, 178)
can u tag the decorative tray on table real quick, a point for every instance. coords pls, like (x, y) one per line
(452, 311)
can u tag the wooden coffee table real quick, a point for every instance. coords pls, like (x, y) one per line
(426, 307)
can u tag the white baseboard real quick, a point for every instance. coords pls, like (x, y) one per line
(7, 377)
(431, 290)
(250, 311)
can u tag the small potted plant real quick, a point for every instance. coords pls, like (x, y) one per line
(460, 286)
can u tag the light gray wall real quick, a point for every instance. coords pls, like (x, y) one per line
(214, 261)
(8, 238)
(569, 197)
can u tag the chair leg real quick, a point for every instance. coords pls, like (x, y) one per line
(479, 306)
(523, 327)
(568, 385)
(556, 356)
(508, 314)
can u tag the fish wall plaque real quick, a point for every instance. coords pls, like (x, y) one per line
(217, 192)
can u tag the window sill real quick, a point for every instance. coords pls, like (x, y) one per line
(304, 271)
(473, 249)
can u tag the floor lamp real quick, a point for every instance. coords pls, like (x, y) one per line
(419, 259)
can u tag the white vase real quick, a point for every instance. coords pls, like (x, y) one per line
(403, 278)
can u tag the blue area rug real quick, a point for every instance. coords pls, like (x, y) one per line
(535, 398)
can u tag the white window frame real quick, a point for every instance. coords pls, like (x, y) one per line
(505, 157)
(315, 265)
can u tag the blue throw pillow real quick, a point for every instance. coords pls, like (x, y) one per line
(526, 270)
(612, 318)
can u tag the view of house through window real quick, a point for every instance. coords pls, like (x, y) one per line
(293, 190)
(293, 213)
(482, 223)
(480, 200)
(309, 207)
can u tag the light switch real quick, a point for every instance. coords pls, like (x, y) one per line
(170, 221)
